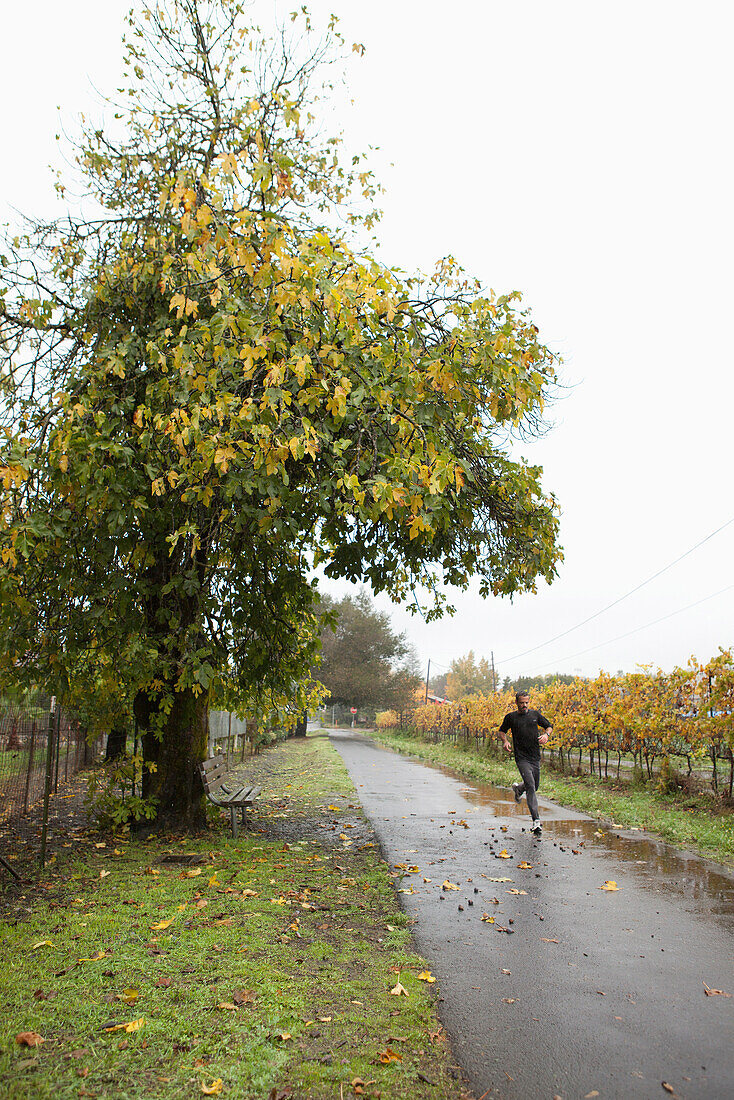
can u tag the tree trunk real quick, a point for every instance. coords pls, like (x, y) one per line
(301, 724)
(176, 784)
(116, 742)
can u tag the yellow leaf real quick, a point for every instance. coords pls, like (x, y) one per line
(193, 873)
(524, 865)
(390, 1056)
(503, 879)
(504, 854)
(133, 1025)
(610, 884)
(213, 881)
(94, 958)
(249, 893)
(426, 976)
(228, 1006)
(399, 990)
(129, 996)
(487, 919)
(161, 925)
(285, 1036)
(214, 1089)
(104, 874)
(449, 885)
(41, 943)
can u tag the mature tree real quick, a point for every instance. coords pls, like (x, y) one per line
(364, 663)
(469, 677)
(208, 392)
(439, 685)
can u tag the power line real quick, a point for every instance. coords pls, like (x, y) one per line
(619, 600)
(637, 629)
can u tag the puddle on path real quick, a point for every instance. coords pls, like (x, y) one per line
(663, 868)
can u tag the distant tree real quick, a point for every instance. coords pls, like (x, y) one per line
(439, 685)
(467, 677)
(527, 683)
(364, 663)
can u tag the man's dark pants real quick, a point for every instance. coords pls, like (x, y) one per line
(530, 772)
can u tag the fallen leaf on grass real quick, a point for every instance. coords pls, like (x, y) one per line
(426, 976)
(284, 1036)
(151, 871)
(193, 873)
(129, 996)
(389, 1055)
(504, 854)
(709, 992)
(42, 943)
(104, 874)
(610, 884)
(214, 1089)
(29, 1039)
(399, 990)
(524, 865)
(94, 958)
(161, 925)
(132, 1025)
(249, 893)
(243, 997)
(213, 881)
(163, 983)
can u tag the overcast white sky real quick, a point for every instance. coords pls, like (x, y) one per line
(581, 153)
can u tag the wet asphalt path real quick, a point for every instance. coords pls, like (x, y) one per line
(605, 992)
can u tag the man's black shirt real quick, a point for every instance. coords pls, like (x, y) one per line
(524, 728)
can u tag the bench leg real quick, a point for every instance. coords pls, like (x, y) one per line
(233, 815)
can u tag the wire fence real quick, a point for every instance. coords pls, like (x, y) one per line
(42, 748)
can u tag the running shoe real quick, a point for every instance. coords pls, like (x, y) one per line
(536, 827)
(517, 792)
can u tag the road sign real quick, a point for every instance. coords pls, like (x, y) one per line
(353, 710)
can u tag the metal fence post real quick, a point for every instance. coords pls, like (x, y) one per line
(47, 786)
(58, 749)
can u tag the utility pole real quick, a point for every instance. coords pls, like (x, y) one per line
(494, 675)
(428, 676)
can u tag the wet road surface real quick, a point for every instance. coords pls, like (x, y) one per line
(588, 992)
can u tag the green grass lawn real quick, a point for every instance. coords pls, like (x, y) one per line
(269, 969)
(696, 821)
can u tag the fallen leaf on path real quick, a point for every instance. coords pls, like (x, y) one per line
(487, 919)
(426, 976)
(446, 885)
(514, 891)
(714, 992)
(668, 1088)
(509, 1000)
(504, 854)
(544, 940)
(503, 879)
(506, 971)
(524, 865)
(610, 884)
(409, 890)
(29, 1039)
(590, 1095)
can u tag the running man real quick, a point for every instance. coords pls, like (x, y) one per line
(523, 724)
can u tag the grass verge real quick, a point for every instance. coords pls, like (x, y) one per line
(697, 822)
(268, 966)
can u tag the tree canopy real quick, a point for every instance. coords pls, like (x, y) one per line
(467, 676)
(209, 389)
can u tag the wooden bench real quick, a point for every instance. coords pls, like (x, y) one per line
(213, 774)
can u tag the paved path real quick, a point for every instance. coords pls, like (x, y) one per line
(591, 992)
